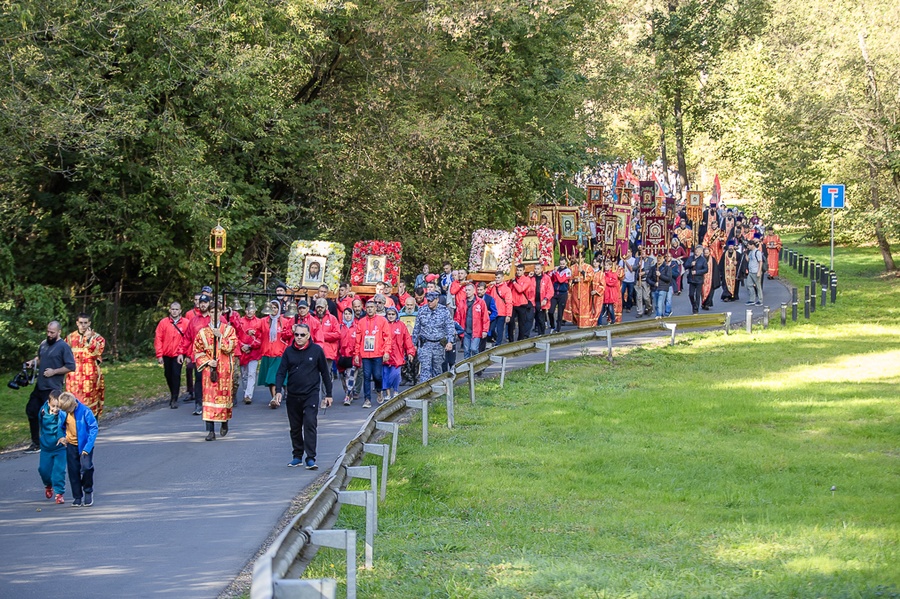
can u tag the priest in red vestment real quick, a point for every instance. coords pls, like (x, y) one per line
(86, 383)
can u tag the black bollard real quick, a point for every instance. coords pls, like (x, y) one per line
(806, 267)
(806, 302)
(783, 314)
(812, 298)
(794, 304)
(814, 274)
(824, 297)
(833, 288)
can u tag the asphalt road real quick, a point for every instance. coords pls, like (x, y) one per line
(177, 516)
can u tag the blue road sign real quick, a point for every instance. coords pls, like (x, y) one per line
(832, 196)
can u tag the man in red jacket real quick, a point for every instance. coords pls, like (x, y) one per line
(499, 290)
(167, 342)
(522, 288)
(472, 316)
(373, 347)
(543, 295)
(198, 322)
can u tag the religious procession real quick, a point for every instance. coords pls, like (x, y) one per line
(638, 240)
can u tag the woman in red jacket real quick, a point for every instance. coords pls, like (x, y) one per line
(401, 349)
(275, 333)
(610, 294)
(347, 354)
(249, 331)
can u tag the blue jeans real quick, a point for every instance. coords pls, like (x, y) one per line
(669, 295)
(627, 295)
(498, 328)
(470, 345)
(659, 303)
(372, 368)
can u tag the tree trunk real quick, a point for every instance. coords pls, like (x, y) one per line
(679, 138)
(662, 144)
(878, 110)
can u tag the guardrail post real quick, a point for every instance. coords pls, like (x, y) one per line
(748, 320)
(608, 334)
(367, 500)
(671, 326)
(783, 314)
(370, 473)
(794, 304)
(501, 360)
(382, 450)
(765, 317)
(394, 429)
(467, 368)
(339, 539)
(546, 348)
(421, 404)
(445, 388)
(728, 323)
(305, 588)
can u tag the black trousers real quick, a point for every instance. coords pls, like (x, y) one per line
(303, 413)
(540, 322)
(189, 377)
(198, 389)
(523, 317)
(33, 411)
(172, 370)
(557, 307)
(695, 293)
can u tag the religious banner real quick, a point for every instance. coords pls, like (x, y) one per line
(670, 212)
(567, 223)
(656, 238)
(595, 198)
(491, 251)
(542, 215)
(623, 227)
(374, 261)
(607, 232)
(533, 245)
(648, 197)
(315, 263)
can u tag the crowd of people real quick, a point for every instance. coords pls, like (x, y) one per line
(299, 344)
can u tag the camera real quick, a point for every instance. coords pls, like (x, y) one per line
(22, 379)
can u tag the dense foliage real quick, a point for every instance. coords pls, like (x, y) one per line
(129, 128)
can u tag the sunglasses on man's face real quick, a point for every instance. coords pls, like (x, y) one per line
(301, 335)
(379, 302)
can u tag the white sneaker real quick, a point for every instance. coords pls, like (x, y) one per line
(367, 404)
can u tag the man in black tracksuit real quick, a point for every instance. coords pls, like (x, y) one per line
(303, 363)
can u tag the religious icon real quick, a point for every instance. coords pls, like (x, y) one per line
(695, 198)
(531, 249)
(409, 320)
(609, 231)
(533, 215)
(647, 200)
(490, 257)
(595, 194)
(313, 271)
(547, 218)
(567, 225)
(374, 269)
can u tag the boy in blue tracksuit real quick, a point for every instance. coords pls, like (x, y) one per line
(81, 433)
(52, 467)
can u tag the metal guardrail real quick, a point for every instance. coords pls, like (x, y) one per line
(276, 573)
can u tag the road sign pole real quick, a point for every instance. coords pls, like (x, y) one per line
(832, 238)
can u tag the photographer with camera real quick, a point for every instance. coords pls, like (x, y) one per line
(54, 360)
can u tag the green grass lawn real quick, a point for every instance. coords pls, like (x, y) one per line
(125, 383)
(700, 470)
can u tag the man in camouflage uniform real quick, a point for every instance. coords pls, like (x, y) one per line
(433, 334)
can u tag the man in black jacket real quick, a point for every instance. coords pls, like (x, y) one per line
(303, 363)
(696, 268)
